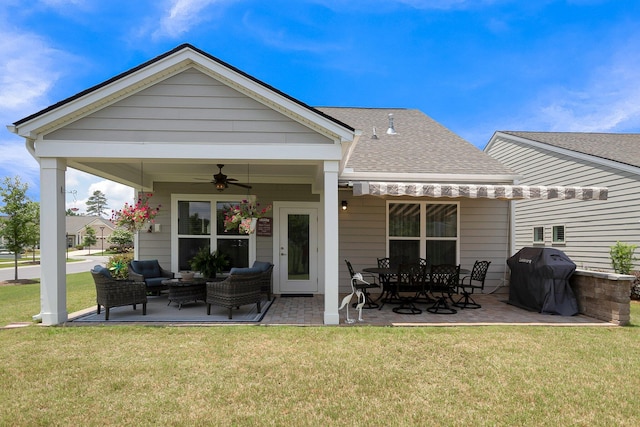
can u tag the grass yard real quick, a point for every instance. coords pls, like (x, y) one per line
(248, 375)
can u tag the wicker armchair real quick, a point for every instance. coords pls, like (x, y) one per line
(234, 291)
(115, 293)
(149, 272)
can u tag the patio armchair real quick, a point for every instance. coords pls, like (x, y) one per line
(265, 268)
(236, 290)
(111, 292)
(149, 272)
(472, 282)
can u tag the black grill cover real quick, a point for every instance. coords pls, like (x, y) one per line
(540, 281)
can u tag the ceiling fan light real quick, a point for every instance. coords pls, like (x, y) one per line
(220, 186)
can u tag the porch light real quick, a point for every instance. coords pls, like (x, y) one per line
(344, 205)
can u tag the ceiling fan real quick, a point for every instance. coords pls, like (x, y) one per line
(221, 181)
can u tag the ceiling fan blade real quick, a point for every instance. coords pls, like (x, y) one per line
(240, 185)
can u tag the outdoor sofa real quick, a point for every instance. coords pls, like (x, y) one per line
(239, 288)
(265, 269)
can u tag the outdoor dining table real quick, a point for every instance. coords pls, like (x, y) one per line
(389, 294)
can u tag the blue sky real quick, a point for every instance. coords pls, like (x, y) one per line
(476, 66)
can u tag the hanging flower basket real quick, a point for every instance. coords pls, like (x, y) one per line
(243, 216)
(135, 217)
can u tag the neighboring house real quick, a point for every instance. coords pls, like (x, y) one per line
(411, 187)
(584, 231)
(75, 230)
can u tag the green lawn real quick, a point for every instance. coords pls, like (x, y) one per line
(381, 376)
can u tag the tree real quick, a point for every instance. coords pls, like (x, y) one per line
(70, 212)
(22, 217)
(121, 237)
(97, 204)
(89, 237)
(33, 230)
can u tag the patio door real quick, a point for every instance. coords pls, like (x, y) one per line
(298, 249)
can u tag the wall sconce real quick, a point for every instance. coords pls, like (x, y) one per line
(344, 205)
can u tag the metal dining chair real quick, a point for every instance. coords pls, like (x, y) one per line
(409, 277)
(363, 286)
(443, 280)
(389, 284)
(470, 283)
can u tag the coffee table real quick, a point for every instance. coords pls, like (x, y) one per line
(182, 291)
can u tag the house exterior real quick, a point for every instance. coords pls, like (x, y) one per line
(584, 231)
(411, 187)
(75, 230)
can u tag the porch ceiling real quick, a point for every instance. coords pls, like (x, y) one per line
(145, 173)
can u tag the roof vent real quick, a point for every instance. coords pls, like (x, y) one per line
(391, 130)
(375, 135)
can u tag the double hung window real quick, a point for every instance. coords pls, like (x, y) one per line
(423, 230)
(200, 223)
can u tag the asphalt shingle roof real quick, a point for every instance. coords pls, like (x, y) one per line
(421, 144)
(619, 147)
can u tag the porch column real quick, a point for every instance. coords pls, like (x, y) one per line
(53, 267)
(330, 230)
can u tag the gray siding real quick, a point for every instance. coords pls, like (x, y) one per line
(483, 235)
(188, 107)
(158, 245)
(591, 227)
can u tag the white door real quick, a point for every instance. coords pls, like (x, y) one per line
(298, 250)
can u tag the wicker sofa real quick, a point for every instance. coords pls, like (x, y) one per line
(115, 293)
(265, 268)
(236, 290)
(149, 272)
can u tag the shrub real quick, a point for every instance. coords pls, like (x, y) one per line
(622, 257)
(635, 286)
(118, 265)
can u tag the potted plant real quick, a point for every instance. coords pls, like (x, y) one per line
(208, 263)
(135, 217)
(243, 216)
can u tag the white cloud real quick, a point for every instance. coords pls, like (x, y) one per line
(28, 71)
(608, 102)
(183, 15)
(80, 186)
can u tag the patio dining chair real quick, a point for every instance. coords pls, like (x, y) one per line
(443, 280)
(363, 286)
(389, 283)
(409, 282)
(470, 283)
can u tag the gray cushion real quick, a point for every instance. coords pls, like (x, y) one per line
(149, 268)
(102, 270)
(154, 281)
(262, 266)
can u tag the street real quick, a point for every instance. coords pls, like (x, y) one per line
(33, 271)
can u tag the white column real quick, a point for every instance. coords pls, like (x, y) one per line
(330, 230)
(53, 267)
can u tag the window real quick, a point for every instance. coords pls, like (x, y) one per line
(423, 230)
(538, 234)
(200, 224)
(558, 234)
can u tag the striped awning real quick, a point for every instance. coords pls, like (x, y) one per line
(474, 191)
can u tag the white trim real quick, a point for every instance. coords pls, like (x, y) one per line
(213, 199)
(423, 238)
(277, 205)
